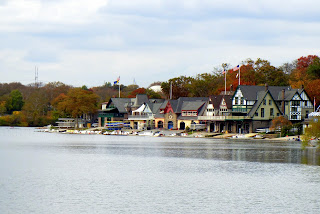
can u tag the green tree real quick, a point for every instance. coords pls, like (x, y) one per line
(180, 87)
(3, 108)
(313, 69)
(78, 102)
(36, 108)
(16, 100)
(84, 87)
(152, 94)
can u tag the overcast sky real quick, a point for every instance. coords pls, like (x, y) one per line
(89, 42)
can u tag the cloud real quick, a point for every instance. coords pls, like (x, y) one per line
(86, 43)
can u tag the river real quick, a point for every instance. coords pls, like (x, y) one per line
(69, 173)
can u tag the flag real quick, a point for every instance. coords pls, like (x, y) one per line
(236, 68)
(116, 82)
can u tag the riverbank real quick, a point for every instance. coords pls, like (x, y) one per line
(174, 133)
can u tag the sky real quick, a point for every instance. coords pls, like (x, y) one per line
(82, 42)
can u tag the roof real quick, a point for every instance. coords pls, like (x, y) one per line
(250, 92)
(120, 103)
(140, 99)
(261, 96)
(189, 105)
(216, 100)
(140, 109)
(179, 102)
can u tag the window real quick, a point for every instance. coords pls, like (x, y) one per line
(271, 111)
(307, 114)
(262, 112)
(241, 101)
(294, 117)
(184, 113)
(270, 102)
(305, 103)
(296, 103)
(294, 109)
(278, 114)
(256, 114)
(264, 102)
(194, 113)
(189, 113)
(236, 100)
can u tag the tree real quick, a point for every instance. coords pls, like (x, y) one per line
(84, 87)
(77, 102)
(16, 100)
(3, 108)
(152, 94)
(281, 123)
(180, 87)
(312, 131)
(313, 69)
(299, 76)
(36, 108)
(137, 91)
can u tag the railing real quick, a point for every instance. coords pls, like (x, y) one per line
(197, 126)
(218, 118)
(222, 118)
(111, 115)
(140, 117)
(235, 109)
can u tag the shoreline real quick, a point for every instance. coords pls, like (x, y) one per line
(174, 133)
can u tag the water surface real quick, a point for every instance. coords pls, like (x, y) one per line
(67, 173)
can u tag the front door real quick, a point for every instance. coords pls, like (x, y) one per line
(170, 125)
(182, 126)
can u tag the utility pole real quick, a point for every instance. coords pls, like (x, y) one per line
(171, 90)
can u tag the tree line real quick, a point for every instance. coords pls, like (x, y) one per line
(303, 72)
(43, 104)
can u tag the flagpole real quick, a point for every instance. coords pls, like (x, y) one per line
(119, 89)
(225, 82)
(239, 75)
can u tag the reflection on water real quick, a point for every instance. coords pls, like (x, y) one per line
(61, 173)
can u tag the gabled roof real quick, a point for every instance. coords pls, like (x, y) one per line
(140, 99)
(217, 99)
(181, 100)
(261, 97)
(189, 105)
(120, 103)
(250, 92)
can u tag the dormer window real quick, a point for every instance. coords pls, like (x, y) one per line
(236, 100)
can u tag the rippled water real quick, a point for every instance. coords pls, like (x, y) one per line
(61, 173)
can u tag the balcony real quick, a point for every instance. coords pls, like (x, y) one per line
(197, 126)
(215, 118)
(141, 117)
(223, 118)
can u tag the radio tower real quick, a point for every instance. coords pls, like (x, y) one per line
(36, 77)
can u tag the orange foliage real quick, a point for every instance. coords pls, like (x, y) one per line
(137, 91)
(313, 90)
(299, 75)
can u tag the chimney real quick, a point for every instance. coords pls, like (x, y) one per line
(266, 86)
(282, 104)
